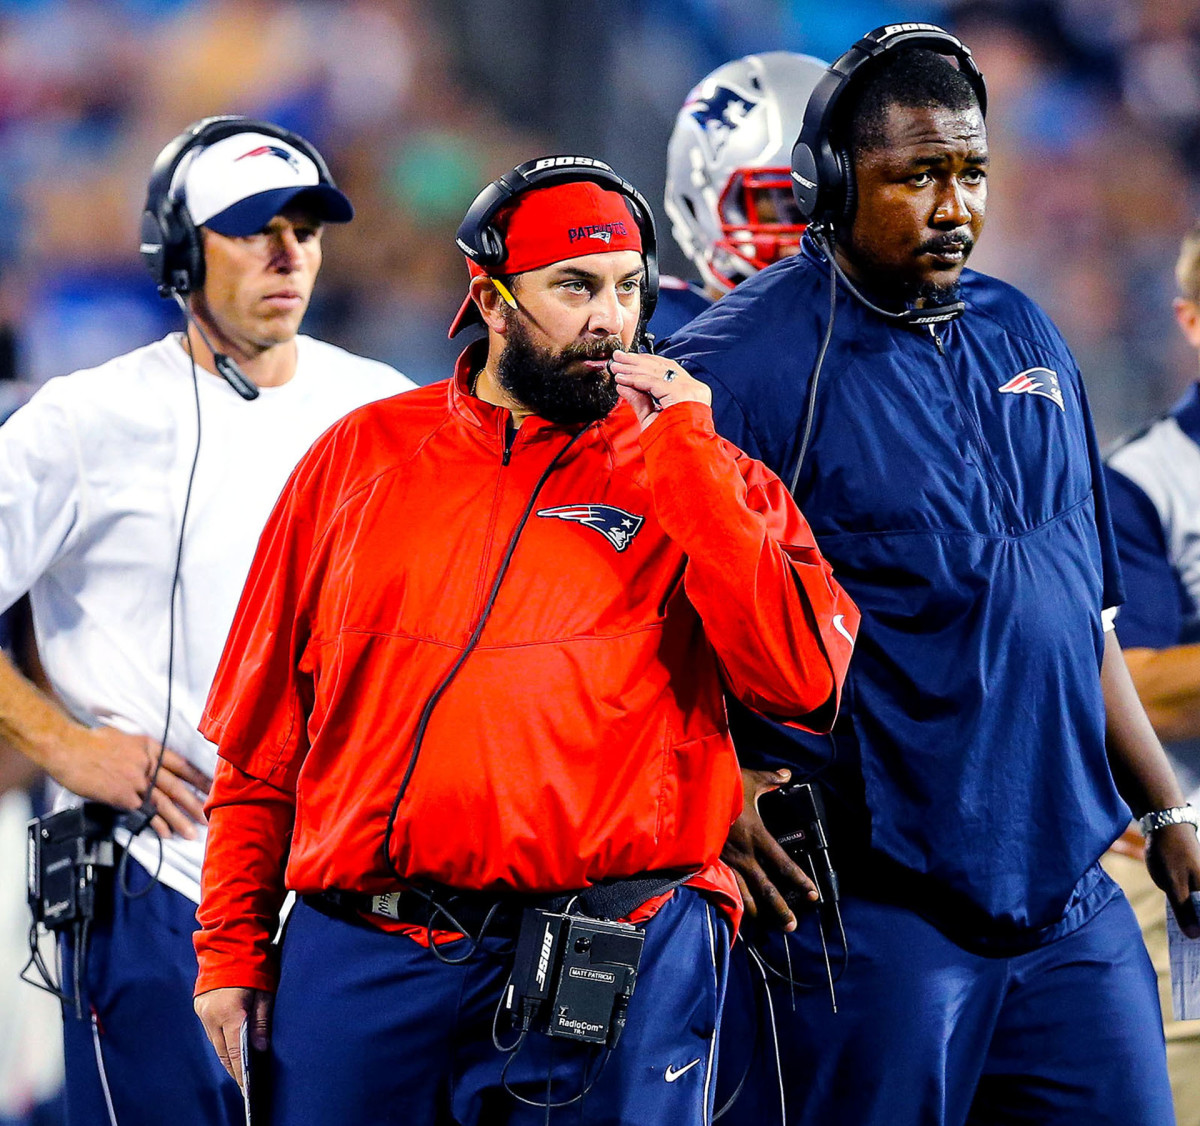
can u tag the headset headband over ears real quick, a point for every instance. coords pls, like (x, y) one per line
(170, 243)
(483, 242)
(822, 178)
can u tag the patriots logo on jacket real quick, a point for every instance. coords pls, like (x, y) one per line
(1035, 381)
(719, 115)
(273, 150)
(614, 524)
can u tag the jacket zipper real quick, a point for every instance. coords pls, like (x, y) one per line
(1000, 494)
(480, 622)
(510, 437)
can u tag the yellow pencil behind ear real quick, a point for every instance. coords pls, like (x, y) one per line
(502, 289)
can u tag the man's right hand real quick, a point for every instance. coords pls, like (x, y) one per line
(110, 766)
(99, 763)
(759, 862)
(224, 1011)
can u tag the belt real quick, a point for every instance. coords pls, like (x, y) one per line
(445, 908)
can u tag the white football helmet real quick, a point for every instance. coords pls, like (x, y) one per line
(729, 192)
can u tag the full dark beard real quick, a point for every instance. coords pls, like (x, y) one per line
(553, 384)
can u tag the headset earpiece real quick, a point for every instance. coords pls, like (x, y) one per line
(171, 245)
(491, 242)
(822, 176)
(849, 185)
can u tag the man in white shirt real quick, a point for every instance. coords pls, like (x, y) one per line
(131, 501)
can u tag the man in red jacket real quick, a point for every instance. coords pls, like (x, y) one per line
(478, 670)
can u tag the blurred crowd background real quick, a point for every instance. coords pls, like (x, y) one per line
(1094, 121)
(1095, 115)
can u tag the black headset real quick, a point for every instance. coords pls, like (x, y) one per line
(823, 180)
(822, 176)
(170, 243)
(483, 242)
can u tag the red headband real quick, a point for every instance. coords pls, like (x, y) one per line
(552, 224)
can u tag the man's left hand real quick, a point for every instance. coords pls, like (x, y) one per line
(650, 384)
(1173, 857)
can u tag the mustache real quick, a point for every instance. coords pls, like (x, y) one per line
(601, 349)
(952, 240)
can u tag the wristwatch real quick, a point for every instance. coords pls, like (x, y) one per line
(1176, 815)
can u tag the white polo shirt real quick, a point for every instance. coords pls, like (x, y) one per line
(93, 476)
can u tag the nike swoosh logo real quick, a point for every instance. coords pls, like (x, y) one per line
(838, 620)
(671, 1074)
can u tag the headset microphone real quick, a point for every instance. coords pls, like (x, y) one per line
(227, 369)
(926, 315)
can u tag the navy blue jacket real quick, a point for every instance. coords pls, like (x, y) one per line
(953, 481)
(678, 302)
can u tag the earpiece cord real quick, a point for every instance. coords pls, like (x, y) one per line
(226, 368)
(473, 940)
(831, 979)
(762, 966)
(468, 648)
(836, 268)
(912, 318)
(47, 984)
(816, 372)
(145, 815)
(549, 1105)
(720, 1111)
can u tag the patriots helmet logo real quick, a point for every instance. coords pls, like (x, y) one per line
(1035, 381)
(720, 114)
(614, 524)
(273, 150)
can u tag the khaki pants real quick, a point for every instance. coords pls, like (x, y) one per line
(1183, 1036)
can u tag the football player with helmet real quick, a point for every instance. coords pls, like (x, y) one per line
(728, 192)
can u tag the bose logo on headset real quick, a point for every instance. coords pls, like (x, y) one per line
(481, 240)
(896, 28)
(567, 161)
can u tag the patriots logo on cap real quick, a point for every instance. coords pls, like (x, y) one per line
(1035, 381)
(614, 524)
(603, 231)
(272, 150)
(720, 114)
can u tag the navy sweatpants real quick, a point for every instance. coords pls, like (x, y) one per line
(927, 1034)
(372, 1027)
(140, 1043)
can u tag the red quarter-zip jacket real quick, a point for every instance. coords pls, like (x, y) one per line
(562, 725)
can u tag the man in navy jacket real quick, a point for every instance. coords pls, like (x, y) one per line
(934, 428)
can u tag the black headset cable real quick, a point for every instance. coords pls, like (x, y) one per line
(144, 816)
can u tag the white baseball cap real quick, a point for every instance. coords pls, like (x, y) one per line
(238, 184)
